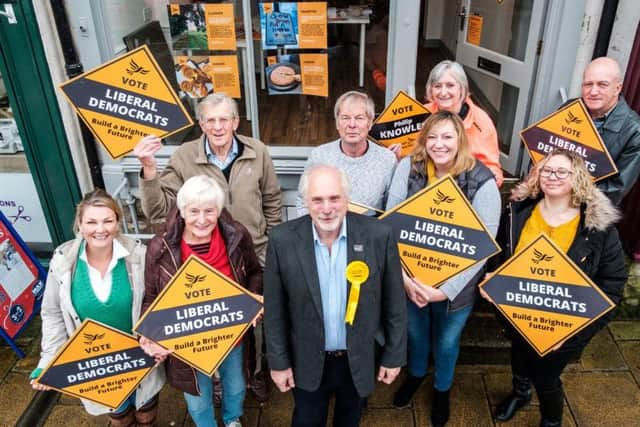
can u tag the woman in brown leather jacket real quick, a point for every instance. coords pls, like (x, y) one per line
(199, 225)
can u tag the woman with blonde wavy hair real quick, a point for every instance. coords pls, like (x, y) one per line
(559, 198)
(437, 316)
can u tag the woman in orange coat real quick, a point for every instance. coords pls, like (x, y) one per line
(447, 89)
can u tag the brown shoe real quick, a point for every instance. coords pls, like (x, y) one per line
(259, 386)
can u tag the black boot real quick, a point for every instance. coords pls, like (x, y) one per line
(405, 393)
(551, 403)
(440, 408)
(519, 397)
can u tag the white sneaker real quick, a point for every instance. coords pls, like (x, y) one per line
(235, 423)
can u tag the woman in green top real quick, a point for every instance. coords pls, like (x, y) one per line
(99, 274)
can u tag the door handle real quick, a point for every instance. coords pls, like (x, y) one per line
(9, 13)
(463, 17)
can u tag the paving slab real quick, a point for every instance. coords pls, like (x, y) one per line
(631, 353)
(625, 330)
(276, 412)
(602, 353)
(387, 418)
(62, 414)
(603, 398)
(468, 403)
(7, 359)
(15, 395)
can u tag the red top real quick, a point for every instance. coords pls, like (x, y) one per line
(216, 257)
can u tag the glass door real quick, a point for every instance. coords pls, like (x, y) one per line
(497, 44)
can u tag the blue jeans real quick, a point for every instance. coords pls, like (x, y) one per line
(131, 401)
(435, 329)
(233, 390)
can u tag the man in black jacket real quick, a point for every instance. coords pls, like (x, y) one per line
(618, 125)
(312, 346)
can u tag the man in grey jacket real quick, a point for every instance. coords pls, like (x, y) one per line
(316, 345)
(618, 125)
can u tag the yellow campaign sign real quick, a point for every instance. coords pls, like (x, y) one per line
(439, 233)
(570, 128)
(98, 363)
(545, 296)
(125, 99)
(361, 209)
(400, 123)
(200, 315)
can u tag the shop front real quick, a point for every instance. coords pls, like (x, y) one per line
(285, 74)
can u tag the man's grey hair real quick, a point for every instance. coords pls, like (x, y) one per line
(200, 189)
(354, 95)
(214, 100)
(303, 187)
(456, 71)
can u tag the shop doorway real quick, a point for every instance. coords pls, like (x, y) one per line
(498, 44)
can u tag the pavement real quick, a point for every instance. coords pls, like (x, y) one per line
(601, 389)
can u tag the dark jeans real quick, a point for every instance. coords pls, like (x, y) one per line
(544, 372)
(311, 407)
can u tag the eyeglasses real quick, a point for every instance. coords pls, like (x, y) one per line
(360, 119)
(561, 173)
(222, 121)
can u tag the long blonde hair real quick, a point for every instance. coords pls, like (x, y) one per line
(463, 161)
(582, 186)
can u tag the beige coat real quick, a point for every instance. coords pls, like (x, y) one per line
(252, 194)
(60, 320)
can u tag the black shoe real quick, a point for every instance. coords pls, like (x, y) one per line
(405, 393)
(508, 407)
(551, 406)
(440, 408)
(519, 397)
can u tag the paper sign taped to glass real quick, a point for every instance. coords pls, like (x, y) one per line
(200, 315)
(545, 296)
(98, 363)
(439, 233)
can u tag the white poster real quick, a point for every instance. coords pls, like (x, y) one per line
(19, 202)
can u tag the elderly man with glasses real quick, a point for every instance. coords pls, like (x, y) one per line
(241, 165)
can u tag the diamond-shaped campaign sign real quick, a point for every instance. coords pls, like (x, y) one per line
(570, 128)
(125, 99)
(439, 233)
(545, 296)
(200, 315)
(400, 123)
(98, 363)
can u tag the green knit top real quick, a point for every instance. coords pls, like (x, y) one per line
(116, 310)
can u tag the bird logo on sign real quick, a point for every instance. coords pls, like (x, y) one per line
(571, 118)
(193, 279)
(540, 256)
(135, 68)
(442, 198)
(90, 338)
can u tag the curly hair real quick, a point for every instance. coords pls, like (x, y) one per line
(582, 185)
(464, 160)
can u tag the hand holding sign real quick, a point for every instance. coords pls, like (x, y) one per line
(154, 349)
(145, 151)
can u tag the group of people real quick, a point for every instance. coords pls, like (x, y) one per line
(220, 200)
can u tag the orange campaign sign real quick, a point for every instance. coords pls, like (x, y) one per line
(98, 363)
(439, 233)
(361, 209)
(125, 99)
(200, 315)
(221, 27)
(400, 123)
(545, 296)
(570, 128)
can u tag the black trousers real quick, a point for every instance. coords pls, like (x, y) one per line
(311, 407)
(544, 372)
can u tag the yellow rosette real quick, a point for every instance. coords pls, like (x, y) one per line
(357, 273)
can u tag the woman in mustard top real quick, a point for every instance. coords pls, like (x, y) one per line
(559, 198)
